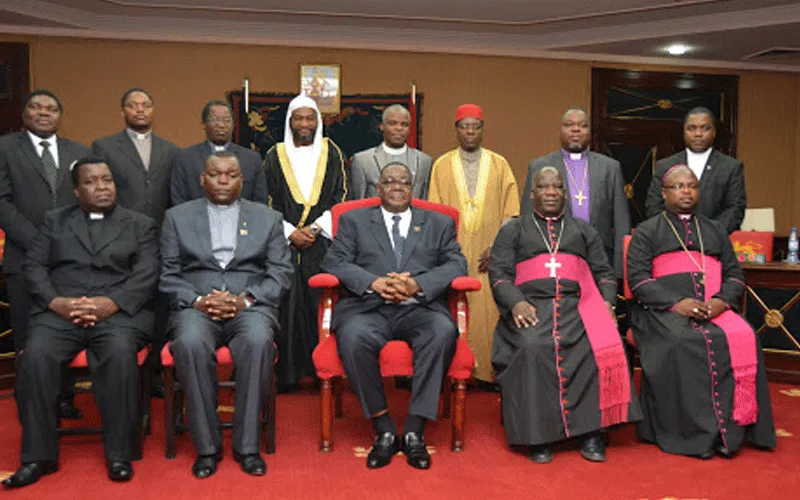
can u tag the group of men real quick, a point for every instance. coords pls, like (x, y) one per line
(240, 238)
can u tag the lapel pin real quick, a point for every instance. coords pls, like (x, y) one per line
(417, 229)
(243, 232)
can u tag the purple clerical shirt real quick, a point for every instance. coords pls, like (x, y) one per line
(578, 167)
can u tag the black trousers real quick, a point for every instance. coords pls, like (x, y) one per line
(432, 336)
(115, 381)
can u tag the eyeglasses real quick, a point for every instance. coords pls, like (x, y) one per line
(470, 126)
(406, 183)
(226, 121)
(681, 187)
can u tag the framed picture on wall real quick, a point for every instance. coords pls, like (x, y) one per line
(322, 82)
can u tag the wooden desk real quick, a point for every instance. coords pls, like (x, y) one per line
(775, 276)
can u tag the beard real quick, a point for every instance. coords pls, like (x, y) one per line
(300, 137)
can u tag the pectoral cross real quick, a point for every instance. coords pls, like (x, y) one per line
(552, 265)
(580, 197)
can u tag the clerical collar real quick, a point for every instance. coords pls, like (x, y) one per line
(575, 156)
(394, 151)
(549, 217)
(216, 148)
(138, 135)
(96, 215)
(222, 208)
(682, 216)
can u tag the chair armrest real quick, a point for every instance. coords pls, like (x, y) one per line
(323, 280)
(466, 284)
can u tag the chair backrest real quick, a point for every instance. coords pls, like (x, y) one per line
(346, 206)
(626, 240)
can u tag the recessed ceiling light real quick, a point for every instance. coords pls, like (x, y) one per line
(677, 49)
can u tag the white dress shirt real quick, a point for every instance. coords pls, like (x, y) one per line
(53, 140)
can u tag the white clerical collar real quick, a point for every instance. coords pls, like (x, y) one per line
(684, 216)
(96, 216)
(37, 140)
(215, 148)
(394, 151)
(137, 135)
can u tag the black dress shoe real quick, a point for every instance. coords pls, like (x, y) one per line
(413, 446)
(723, 452)
(593, 448)
(120, 470)
(706, 455)
(67, 410)
(541, 454)
(30, 473)
(383, 449)
(252, 463)
(206, 465)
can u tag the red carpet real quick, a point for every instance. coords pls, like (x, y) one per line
(487, 469)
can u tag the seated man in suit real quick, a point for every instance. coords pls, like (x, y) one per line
(92, 271)
(225, 267)
(217, 120)
(397, 264)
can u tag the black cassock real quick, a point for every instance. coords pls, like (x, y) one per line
(298, 314)
(537, 409)
(687, 390)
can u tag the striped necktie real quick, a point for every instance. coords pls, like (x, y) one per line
(50, 169)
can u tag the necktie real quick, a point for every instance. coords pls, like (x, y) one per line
(50, 169)
(399, 241)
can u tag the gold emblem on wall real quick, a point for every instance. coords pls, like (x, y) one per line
(773, 318)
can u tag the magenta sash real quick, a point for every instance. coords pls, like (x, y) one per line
(609, 353)
(740, 335)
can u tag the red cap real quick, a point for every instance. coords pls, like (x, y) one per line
(469, 111)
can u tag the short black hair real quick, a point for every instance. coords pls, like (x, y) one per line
(131, 91)
(700, 110)
(397, 164)
(212, 103)
(75, 168)
(222, 154)
(45, 92)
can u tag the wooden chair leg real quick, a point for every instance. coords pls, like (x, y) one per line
(169, 412)
(269, 416)
(458, 414)
(326, 414)
(337, 395)
(447, 396)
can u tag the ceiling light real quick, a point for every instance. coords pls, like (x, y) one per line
(677, 49)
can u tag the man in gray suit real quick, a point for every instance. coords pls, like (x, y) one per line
(217, 119)
(225, 267)
(397, 264)
(141, 162)
(368, 164)
(595, 187)
(34, 178)
(722, 194)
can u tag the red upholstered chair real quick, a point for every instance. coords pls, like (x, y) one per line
(396, 357)
(174, 402)
(626, 241)
(80, 363)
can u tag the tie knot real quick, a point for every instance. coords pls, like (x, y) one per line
(45, 144)
(396, 219)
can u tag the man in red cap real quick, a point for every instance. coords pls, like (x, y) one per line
(481, 185)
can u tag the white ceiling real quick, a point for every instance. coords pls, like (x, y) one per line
(722, 33)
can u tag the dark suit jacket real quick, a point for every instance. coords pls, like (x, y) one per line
(261, 264)
(362, 251)
(190, 163)
(144, 191)
(25, 192)
(722, 193)
(123, 265)
(608, 204)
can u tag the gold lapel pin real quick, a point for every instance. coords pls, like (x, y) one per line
(417, 229)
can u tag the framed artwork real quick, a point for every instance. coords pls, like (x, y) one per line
(322, 82)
